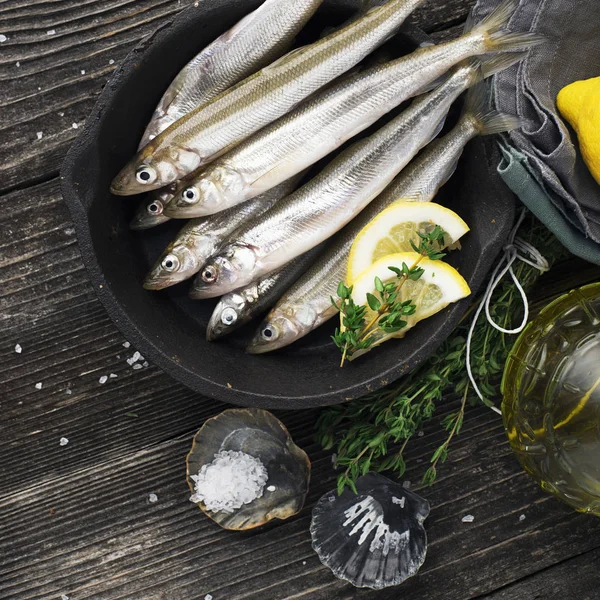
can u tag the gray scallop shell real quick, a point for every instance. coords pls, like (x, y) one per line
(374, 538)
(261, 435)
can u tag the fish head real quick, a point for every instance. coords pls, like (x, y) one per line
(150, 212)
(230, 313)
(176, 264)
(283, 326)
(231, 269)
(216, 189)
(154, 167)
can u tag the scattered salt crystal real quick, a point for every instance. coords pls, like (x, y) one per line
(18, 64)
(137, 366)
(145, 363)
(63, 441)
(83, 71)
(231, 480)
(68, 391)
(51, 31)
(271, 488)
(69, 231)
(406, 484)
(468, 519)
(18, 348)
(522, 518)
(303, 562)
(75, 126)
(39, 135)
(3, 38)
(399, 501)
(136, 356)
(113, 375)
(118, 356)
(208, 597)
(38, 386)
(126, 344)
(64, 597)
(103, 379)
(111, 62)
(153, 498)
(420, 434)
(61, 114)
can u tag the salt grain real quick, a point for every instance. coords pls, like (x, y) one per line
(61, 114)
(468, 519)
(83, 71)
(68, 391)
(153, 498)
(18, 64)
(111, 62)
(39, 135)
(271, 488)
(303, 562)
(113, 375)
(103, 379)
(420, 434)
(231, 480)
(126, 344)
(522, 518)
(137, 366)
(64, 597)
(145, 363)
(63, 441)
(38, 386)
(208, 597)
(75, 126)
(3, 38)
(51, 31)
(18, 348)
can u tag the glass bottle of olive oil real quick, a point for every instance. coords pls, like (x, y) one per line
(551, 406)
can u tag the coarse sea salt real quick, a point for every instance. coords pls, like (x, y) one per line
(3, 38)
(208, 597)
(152, 498)
(38, 385)
(40, 135)
(63, 441)
(51, 31)
(126, 344)
(231, 480)
(468, 519)
(18, 348)
(103, 379)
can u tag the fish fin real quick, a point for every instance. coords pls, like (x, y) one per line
(490, 65)
(486, 120)
(498, 39)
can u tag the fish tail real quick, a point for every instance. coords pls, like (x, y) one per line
(490, 65)
(486, 120)
(496, 36)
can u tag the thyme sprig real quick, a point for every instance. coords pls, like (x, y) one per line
(372, 433)
(388, 308)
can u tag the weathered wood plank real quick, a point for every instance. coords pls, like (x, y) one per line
(574, 578)
(51, 81)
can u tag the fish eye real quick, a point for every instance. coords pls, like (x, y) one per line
(155, 208)
(209, 274)
(145, 174)
(228, 316)
(269, 333)
(170, 263)
(190, 195)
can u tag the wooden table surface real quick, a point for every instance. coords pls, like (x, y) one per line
(76, 520)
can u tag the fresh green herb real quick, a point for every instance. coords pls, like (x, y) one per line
(371, 433)
(355, 333)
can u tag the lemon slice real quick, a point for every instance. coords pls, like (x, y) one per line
(439, 286)
(392, 230)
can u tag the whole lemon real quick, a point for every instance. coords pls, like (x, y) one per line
(579, 104)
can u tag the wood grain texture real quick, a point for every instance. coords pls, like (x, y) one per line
(77, 519)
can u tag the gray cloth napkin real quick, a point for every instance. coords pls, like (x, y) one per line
(545, 149)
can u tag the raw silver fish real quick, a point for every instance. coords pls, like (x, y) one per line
(255, 41)
(240, 306)
(151, 210)
(307, 304)
(206, 132)
(335, 196)
(200, 238)
(323, 123)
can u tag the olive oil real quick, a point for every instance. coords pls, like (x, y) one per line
(551, 405)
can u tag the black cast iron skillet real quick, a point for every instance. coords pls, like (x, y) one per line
(167, 327)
